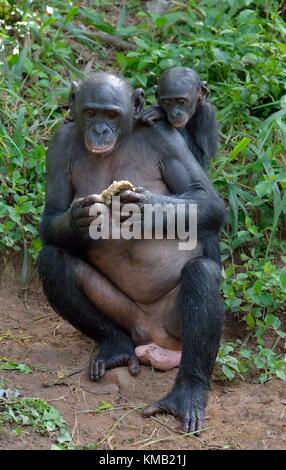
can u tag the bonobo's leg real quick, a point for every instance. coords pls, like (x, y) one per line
(200, 316)
(58, 271)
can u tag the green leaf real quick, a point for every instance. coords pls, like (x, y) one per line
(21, 367)
(283, 278)
(228, 372)
(104, 406)
(281, 375)
(121, 59)
(273, 321)
(251, 323)
(263, 188)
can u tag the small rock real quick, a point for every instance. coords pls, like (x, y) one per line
(124, 380)
(109, 389)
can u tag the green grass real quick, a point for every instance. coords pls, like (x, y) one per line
(239, 48)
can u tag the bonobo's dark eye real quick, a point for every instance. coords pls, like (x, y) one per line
(166, 103)
(90, 113)
(112, 114)
(181, 101)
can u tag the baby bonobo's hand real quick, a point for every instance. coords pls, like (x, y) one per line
(80, 211)
(149, 115)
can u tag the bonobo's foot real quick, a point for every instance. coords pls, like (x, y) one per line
(187, 401)
(158, 357)
(111, 355)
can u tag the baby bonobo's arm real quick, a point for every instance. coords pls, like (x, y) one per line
(203, 134)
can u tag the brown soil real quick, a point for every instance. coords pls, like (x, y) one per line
(242, 415)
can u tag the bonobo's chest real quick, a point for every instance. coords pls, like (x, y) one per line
(133, 161)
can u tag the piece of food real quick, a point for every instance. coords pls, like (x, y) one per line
(114, 189)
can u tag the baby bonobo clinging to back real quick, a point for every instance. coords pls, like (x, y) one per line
(182, 99)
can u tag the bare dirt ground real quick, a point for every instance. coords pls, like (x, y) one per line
(240, 415)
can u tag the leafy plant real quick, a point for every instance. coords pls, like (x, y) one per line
(38, 414)
(21, 367)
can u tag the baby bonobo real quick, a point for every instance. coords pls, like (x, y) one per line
(182, 98)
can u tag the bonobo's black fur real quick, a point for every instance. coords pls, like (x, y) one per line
(85, 156)
(182, 99)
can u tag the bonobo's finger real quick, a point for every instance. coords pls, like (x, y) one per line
(83, 230)
(200, 425)
(139, 189)
(193, 424)
(133, 365)
(88, 201)
(128, 196)
(80, 212)
(155, 116)
(153, 409)
(146, 116)
(187, 423)
(82, 222)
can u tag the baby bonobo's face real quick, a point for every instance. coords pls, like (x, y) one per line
(178, 93)
(179, 109)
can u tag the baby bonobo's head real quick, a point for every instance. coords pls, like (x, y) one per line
(179, 92)
(103, 107)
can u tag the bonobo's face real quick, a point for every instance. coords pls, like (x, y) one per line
(178, 93)
(103, 107)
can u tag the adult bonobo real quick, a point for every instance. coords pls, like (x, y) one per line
(182, 99)
(126, 293)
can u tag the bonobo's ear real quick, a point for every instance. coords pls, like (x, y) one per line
(74, 89)
(204, 92)
(138, 100)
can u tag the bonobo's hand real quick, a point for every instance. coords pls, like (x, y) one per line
(187, 401)
(137, 195)
(80, 211)
(149, 115)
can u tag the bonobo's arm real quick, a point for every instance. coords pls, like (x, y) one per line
(63, 222)
(185, 179)
(201, 131)
(151, 114)
(203, 136)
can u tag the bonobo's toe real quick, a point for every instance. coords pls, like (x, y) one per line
(96, 368)
(133, 365)
(113, 355)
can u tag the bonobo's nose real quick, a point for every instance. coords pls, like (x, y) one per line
(101, 128)
(176, 114)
